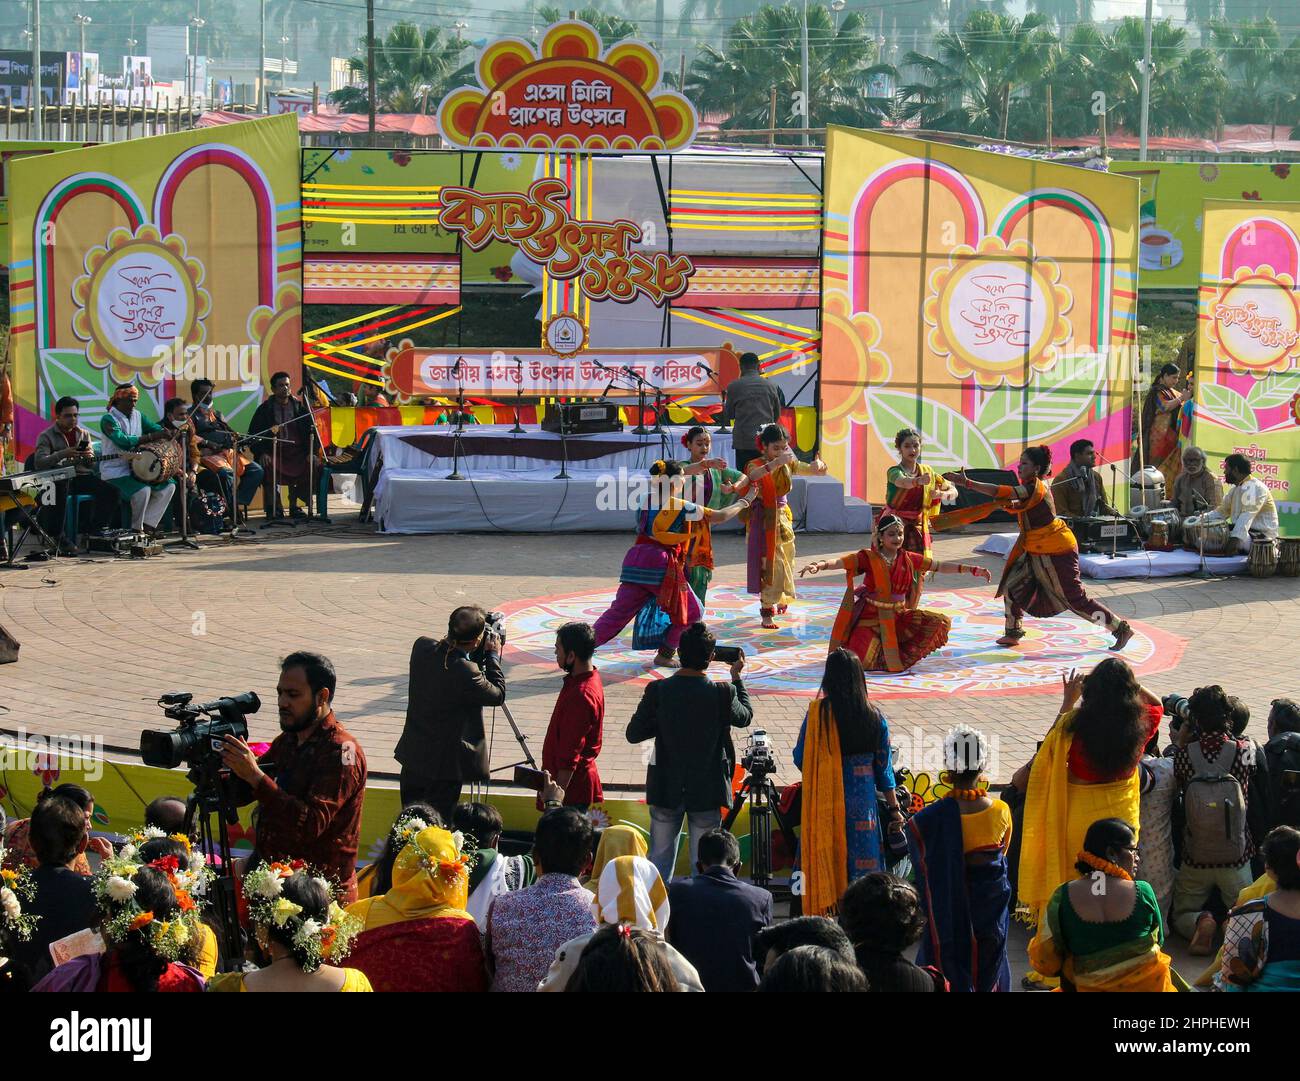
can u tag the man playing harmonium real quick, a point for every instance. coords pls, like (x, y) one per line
(66, 442)
(1079, 491)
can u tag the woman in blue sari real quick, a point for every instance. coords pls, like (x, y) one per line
(1261, 941)
(844, 755)
(959, 853)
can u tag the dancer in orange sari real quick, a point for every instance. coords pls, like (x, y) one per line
(1042, 572)
(914, 491)
(880, 621)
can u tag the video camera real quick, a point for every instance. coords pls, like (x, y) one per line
(494, 628)
(1177, 706)
(759, 759)
(197, 738)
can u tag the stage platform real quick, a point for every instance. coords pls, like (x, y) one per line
(1136, 564)
(533, 501)
(510, 483)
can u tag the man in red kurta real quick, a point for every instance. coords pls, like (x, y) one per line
(577, 722)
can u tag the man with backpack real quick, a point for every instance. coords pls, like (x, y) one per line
(1214, 771)
(1282, 756)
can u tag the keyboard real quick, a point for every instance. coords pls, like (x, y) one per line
(36, 478)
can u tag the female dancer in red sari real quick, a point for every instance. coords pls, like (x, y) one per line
(1042, 572)
(880, 620)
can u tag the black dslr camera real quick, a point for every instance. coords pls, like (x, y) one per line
(494, 631)
(196, 740)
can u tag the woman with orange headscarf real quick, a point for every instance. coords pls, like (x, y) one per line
(418, 936)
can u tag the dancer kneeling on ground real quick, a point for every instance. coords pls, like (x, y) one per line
(1042, 571)
(655, 566)
(959, 847)
(1103, 931)
(881, 622)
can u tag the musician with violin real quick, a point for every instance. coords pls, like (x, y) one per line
(127, 434)
(220, 451)
(64, 443)
(283, 436)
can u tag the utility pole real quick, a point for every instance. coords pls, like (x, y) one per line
(803, 74)
(38, 102)
(261, 56)
(1146, 85)
(370, 64)
(81, 21)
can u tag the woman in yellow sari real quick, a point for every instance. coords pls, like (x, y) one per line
(615, 841)
(418, 936)
(1104, 931)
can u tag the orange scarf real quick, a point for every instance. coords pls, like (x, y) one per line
(823, 842)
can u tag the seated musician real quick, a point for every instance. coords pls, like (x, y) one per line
(1196, 489)
(283, 436)
(125, 430)
(218, 449)
(1247, 504)
(1078, 490)
(66, 442)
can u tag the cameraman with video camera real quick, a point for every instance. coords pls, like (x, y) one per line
(310, 783)
(443, 744)
(690, 719)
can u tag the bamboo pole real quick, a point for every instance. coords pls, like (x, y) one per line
(1049, 116)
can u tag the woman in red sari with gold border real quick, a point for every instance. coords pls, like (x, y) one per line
(880, 621)
(1041, 576)
(914, 491)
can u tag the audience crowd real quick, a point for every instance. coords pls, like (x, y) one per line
(1104, 843)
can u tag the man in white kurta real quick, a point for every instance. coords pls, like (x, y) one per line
(1247, 504)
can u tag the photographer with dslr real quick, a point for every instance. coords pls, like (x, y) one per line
(690, 719)
(443, 744)
(1213, 771)
(310, 783)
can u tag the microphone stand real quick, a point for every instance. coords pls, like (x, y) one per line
(640, 428)
(1115, 553)
(722, 428)
(312, 494)
(563, 474)
(183, 489)
(1204, 571)
(458, 434)
(518, 429)
(275, 515)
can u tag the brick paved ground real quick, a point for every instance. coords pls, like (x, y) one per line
(100, 640)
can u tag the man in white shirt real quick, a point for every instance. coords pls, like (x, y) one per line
(1247, 504)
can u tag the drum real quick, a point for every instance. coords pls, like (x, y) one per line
(1263, 558)
(155, 462)
(1288, 562)
(1159, 534)
(1146, 518)
(1214, 534)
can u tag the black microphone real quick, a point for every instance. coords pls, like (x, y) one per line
(705, 368)
(455, 368)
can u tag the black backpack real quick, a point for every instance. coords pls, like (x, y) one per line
(1282, 754)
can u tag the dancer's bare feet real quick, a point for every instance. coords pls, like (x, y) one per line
(768, 622)
(781, 609)
(666, 659)
(1122, 635)
(1010, 639)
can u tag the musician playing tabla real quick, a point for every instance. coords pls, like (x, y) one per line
(218, 450)
(64, 443)
(125, 429)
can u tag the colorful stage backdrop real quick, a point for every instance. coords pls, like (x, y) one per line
(115, 251)
(1248, 348)
(9, 151)
(987, 300)
(1172, 194)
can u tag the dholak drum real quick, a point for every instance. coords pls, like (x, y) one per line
(157, 461)
(1263, 558)
(1288, 562)
(1213, 533)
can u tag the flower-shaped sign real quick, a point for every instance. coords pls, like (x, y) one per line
(1255, 321)
(995, 311)
(568, 95)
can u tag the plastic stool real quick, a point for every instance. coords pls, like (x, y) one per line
(72, 516)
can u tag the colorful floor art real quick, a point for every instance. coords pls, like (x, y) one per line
(790, 660)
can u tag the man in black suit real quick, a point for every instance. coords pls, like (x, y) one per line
(716, 916)
(443, 744)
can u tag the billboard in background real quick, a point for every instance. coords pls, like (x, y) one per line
(188, 243)
(1248, 347)
(1170, 207)
(987, 300)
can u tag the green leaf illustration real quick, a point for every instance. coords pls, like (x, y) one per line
(1276, 390)
(1050, 403)
(951, 441)
(1225, 405)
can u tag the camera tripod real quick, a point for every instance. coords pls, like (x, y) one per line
(211, 796)
(764, 805)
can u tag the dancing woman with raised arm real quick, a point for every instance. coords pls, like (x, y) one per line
(881, 621)
(1042, 572)
(914, 491)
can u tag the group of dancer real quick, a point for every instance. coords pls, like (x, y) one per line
(667, 571)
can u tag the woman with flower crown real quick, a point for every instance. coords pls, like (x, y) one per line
(297, 924)
(881, 620)
(959, 854)
(418, 936)
(1103, 931)
(149, 920)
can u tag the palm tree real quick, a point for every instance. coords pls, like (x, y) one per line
(762, 52)
(412, 68)
(978, 76)
(1261, 73)
(612, 27)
